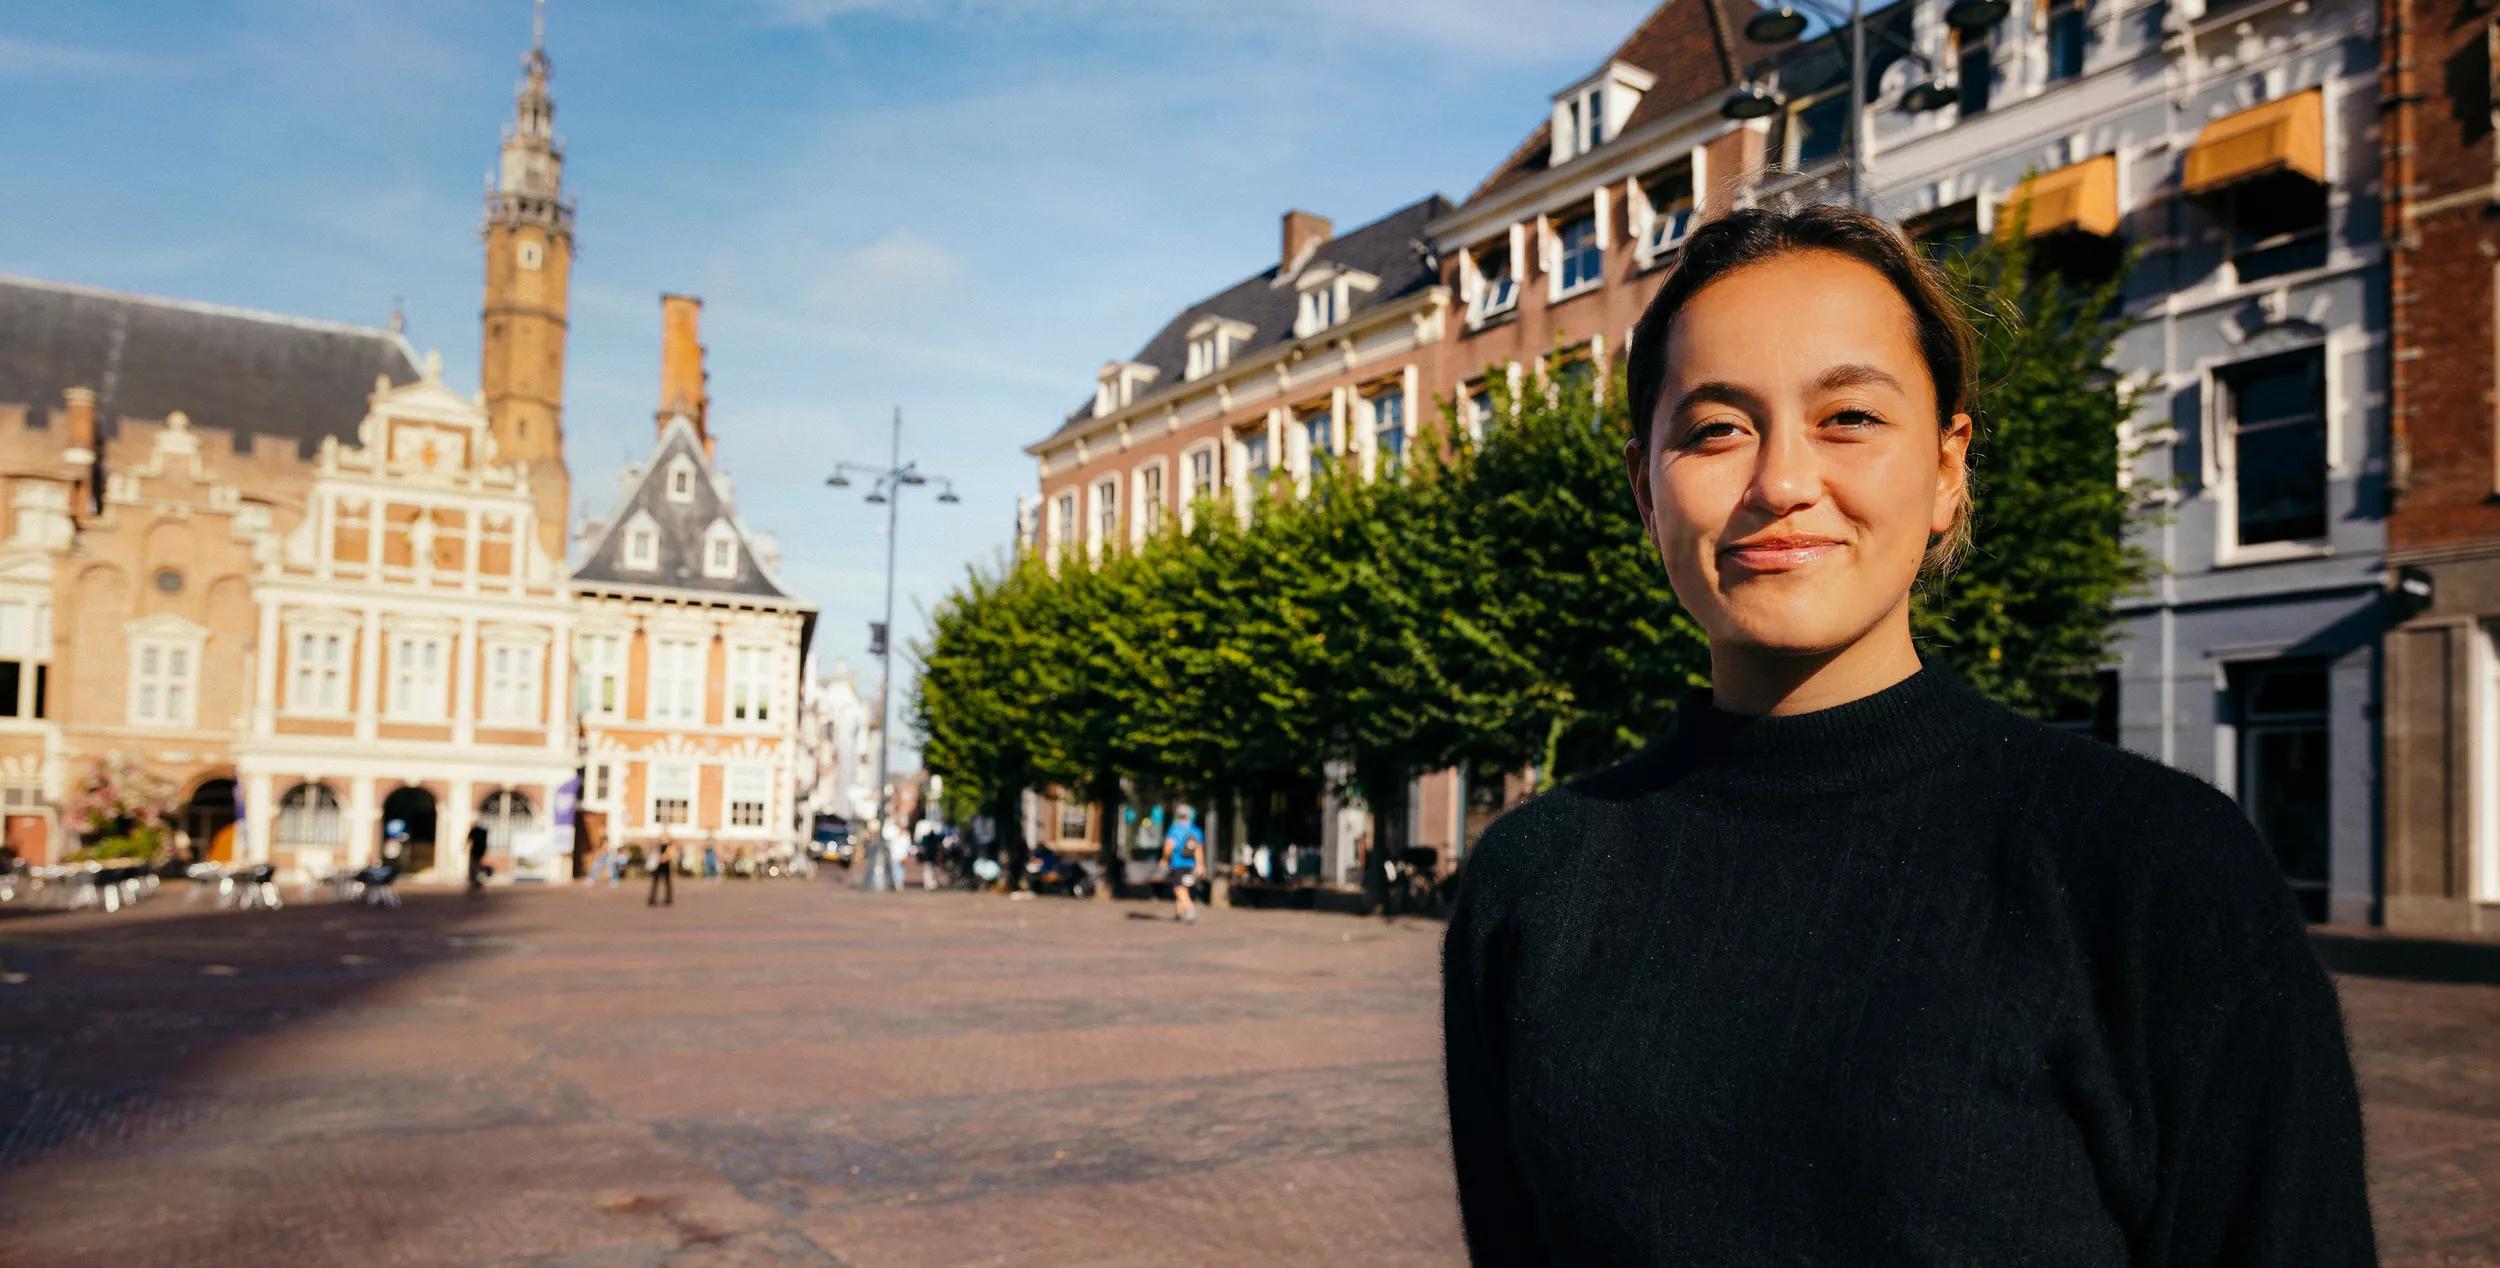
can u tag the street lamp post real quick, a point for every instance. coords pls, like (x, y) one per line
(1782, 23)
(886, 485)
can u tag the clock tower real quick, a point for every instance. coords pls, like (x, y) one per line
(529, 267)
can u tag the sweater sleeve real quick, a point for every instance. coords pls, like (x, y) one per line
(2263, 1165)
(1493, 1202)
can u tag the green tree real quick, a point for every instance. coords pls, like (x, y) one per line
(2031, 611)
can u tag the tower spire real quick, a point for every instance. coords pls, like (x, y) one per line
(529, 264)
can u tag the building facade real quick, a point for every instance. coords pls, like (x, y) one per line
(413, 627)
(2442, 670)
(837, 757)
(157, 453)
(1327, 356)
(689, 649)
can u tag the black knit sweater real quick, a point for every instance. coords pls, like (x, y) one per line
(1913, 980)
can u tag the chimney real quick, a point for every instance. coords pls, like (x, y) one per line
(78, 435)
(1303, 233)
(681, 362)
(78, 448)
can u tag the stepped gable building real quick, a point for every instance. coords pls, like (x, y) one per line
(2442, 673)
(415, 626)
(156, 453)
(1327, 355)
(689, 651)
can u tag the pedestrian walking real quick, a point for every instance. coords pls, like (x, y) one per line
(711, 860)
(1182, 847)
(478, 870)
(599, 863)
(663, 873)
(1854, 965)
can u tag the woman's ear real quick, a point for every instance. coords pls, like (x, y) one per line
(1636, 469)
(1952, 473)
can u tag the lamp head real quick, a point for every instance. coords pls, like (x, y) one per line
(1929, 95)
(1749, 102)
(1975, 15)
(1775, 25)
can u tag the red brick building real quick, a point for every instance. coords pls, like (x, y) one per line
(2442, 688)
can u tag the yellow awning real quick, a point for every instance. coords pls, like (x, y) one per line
(2287, 134)
(2081, 197)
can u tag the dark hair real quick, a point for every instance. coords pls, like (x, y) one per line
(1756, 235)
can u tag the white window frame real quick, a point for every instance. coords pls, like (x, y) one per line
(1393, 389)
(1300, 437)
(600, 658)
(599, 784)
(658, 781)
(39, 513)
(514, 675)
(1065, 529)
(674, 692)
(753, 676)
(1104, 531)
(641, 550)
(720, 550)
(160, 695)
(320, 823)
(1559, 259)
(742, 786)
(320, 686)
(1151, 502)
(1659, 232)
(1490, 298)
(2222, 450)
(35, 642)
(406, 698)
(681, 478)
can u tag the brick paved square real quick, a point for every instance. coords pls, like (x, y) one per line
(796, 1073)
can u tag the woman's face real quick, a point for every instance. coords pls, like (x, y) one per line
(1795, 470)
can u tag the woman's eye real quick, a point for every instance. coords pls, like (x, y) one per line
(1703, 433)
(1858, 418)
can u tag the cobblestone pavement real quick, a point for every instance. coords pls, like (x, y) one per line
(792, 1073)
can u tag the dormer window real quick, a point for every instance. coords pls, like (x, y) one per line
(720, 550)
(642, 544)
(1319, 311)
(1489, 279)
(1590, 112)
(1664, 208)
(681, 481)
(1119, 385)
(1211, 344)
(1327, 296)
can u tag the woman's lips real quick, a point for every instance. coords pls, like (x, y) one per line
(1781, 555)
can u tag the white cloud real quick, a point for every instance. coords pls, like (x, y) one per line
(902, 262)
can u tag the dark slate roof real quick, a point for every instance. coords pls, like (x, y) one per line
(1696, 48)
(1391, 248)
(682, 526)
(252, 374)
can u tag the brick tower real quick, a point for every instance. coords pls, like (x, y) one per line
(529, 268)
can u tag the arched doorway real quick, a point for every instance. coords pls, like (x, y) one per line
(413, 808)
(308, 820)
(207, 821)
(506, 814)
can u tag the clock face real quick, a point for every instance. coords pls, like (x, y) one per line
(529, 254)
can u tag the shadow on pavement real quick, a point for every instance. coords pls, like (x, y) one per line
(2372, 954)
(117, 1030)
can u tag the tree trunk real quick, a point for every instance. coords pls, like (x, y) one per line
(1007, 810)
(1114, 867)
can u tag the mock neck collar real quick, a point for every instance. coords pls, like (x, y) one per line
(1887, 734)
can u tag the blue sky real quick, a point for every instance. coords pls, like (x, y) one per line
(954, 207)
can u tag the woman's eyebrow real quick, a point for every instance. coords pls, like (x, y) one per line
(1841, 376)
(1720, 392)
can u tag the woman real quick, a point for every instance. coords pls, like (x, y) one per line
(1857, 967)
